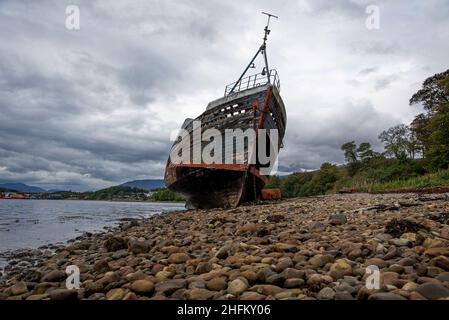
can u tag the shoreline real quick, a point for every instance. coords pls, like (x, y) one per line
(303, 248)
(143, 201)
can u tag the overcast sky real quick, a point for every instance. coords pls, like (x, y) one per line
(90, 108)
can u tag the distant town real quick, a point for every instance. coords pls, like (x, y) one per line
(14, 195)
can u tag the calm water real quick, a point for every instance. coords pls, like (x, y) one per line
(33, 223)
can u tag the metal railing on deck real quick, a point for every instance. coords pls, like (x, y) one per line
(254, 80)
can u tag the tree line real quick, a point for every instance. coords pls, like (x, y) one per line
(410, 150)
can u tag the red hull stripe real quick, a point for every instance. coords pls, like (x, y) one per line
(256, 172)
(224, 166)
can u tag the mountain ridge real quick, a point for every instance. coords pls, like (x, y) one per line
(21, 187)
(146, 184)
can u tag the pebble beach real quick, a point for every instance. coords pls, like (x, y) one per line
(303, 248)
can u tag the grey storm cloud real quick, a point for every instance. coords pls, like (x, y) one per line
(322, 138)
(385, 82)
(367, 71)
(89, 108)
(342, 8)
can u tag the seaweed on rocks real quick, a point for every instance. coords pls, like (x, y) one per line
(441, 217)
(396, 227)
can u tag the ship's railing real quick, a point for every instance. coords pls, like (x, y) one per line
(254, 80)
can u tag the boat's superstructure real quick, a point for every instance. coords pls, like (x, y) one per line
(234, 172)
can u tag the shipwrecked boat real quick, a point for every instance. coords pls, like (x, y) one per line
(237, 173)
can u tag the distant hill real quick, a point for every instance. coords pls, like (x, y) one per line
(6, 190)
(118, 193)
(56, 190)
(21, 187)
(148, 184)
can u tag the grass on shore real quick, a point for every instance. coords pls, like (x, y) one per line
(431, 180)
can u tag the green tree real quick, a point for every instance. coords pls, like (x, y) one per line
(364, 151)
(273, 182)
(438, 154)
(412, 144)
(434, 92)
(395, 139)
(421, 130)
(432, 128)
(291, 185)
(350, 151)
(166, 195)
(322, 181)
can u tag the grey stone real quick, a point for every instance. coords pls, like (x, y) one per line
(326, 294)
(385, 296)
(433, 291)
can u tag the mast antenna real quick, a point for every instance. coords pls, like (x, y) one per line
(262, 50)
(267, 31)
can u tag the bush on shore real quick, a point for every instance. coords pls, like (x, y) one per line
(166, 195)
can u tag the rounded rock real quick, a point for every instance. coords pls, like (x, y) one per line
(283, 264)
(144, 287)
(326, 294)
(217, 284)
(19, 288)
(115, 294)
(237, 287)
(203, 267)
(433, 291)
(63, 294)
(178, 257)
(114, 244)
(340, 268)
(385, 296)
(54, 276)
(252, 296)
(198, 294)
(294, 283)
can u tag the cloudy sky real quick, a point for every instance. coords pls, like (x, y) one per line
(89, 108)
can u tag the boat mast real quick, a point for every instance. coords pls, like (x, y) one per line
(262, 50)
